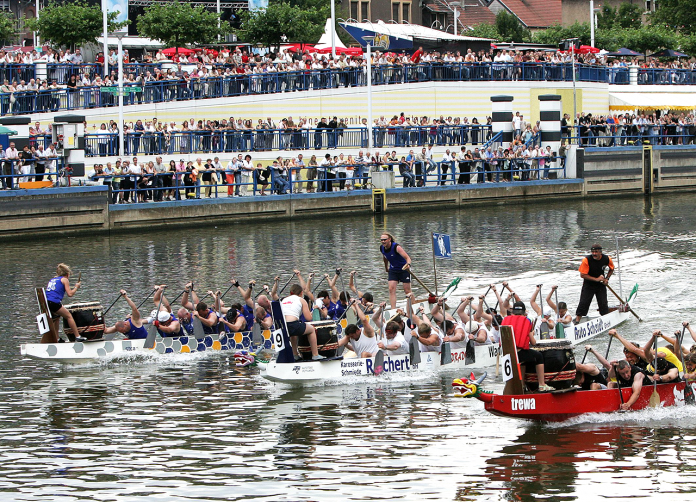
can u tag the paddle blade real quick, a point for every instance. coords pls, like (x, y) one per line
(151, 334)
(379, 363)
(560, 331)
(316, 315)
(470, 356)
(198, 328)
(689, 394)
(654, 399)
(256, 336)
(446, 353)
(414, 351)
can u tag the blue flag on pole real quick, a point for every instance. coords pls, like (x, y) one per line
(441, 246)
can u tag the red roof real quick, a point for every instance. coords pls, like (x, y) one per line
(473, 15)
(535, 13)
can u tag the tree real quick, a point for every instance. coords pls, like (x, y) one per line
(176, 24)
(7, 26)
(629, 16)
(678, 15)
(72, 24)
(281, 22)
(555, 33)
(510, 29)
(483, 30)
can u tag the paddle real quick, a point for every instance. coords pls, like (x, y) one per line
(152, 329)
(470, 352)
(286, 284)
(318, 284)
(624, 303)
(606, 355)
(379, 357)
(560, 330)
(198, 328)
(501, 294)
(688, 389)
(233, 285)
(146, 298)
(177, 296)
(420, 282)
(655, 397)
(618, 384)
(494, 321)
(264, 289)
(446, 348)
(585, 356)
(414, 351)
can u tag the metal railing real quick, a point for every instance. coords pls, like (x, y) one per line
(621, 135)
(232, 140)
(130, 188)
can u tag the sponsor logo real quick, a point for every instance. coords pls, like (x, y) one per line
(494, 351)
(390, 365)
(523, 404)
(296, 369)
(591, 328)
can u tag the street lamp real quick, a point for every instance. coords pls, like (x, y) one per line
(456, 15)
(333, 29)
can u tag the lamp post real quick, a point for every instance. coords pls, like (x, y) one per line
(105, 20)
(456, 15)
(36, 36)
(592, 23)
(121, 138)
(369, 97)
(333, 29)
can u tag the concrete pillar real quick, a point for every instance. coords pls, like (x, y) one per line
(550, 117)
(502, 116)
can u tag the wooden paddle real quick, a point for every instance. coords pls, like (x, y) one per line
(379, 357)
(152, 329)
(618, 384)
(688, 389)
(286, 284)
(624, 303)
(420, 282)
(146, 298)
(655, 397)
(560, 330)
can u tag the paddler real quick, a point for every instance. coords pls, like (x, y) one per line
(563, 316)
(544, 324)
(364, 297)
(56, 289)
(294, 307)
(395, 344)
(397, 263)
(362, 341)
(132, 327)
(523, 330)
(595, 270)
(429, 337)
(199, 309)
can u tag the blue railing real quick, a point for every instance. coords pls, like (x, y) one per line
(127, 188)
(232, 84)
(226, 141)
(622, 135)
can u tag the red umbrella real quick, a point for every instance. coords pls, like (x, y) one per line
(183, 51)
(587, 49)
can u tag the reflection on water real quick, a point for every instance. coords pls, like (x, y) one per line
(198, 428)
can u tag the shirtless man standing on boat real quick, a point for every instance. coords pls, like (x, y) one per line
(594, 284)
(294, 307)
(131, 327)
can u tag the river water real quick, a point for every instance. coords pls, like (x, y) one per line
(194, 427)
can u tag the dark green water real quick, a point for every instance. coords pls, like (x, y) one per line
(197, 428)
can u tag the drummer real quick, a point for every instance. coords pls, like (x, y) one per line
(132, 327)
(56, 289)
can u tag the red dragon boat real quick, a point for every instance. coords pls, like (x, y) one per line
(566, 401)
(563, 404)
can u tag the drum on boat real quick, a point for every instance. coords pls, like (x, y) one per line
(89, 319)
(559, 364)
(327, 341)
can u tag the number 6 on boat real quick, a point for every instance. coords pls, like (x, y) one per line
(507, 367)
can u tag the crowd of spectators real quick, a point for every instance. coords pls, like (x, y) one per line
(73, 83)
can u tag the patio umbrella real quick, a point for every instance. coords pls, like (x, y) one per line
(669, 53)
(183, 51)
(6, 131)
(587, 49)
(624, 52)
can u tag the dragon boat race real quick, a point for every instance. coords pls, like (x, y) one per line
(223, 412)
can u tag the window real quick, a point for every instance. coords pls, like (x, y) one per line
(359, 10)
(401, 11)
(364, 11)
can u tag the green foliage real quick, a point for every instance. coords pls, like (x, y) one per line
(280, 22)
(71, 24)
(555, 33)
(677, 15)
(626, 16)
(606, 18)
(510, 29)
(687, 44)
(176, 24)
(649, 38)
(7, 26)
(484, 30)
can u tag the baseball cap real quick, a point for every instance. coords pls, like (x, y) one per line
(518, 308)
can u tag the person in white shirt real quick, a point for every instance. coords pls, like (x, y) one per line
(429, 337)
(362, 341)
(395, 343)
(8, 167)
(445, 165)
(293, 307)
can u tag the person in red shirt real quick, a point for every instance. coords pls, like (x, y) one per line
(416, 57)
(523, 329)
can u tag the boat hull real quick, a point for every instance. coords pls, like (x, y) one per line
(562, 405)
(91, 351)
(485, 356)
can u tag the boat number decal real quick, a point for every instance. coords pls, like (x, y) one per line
(507, 367)
(523, 404)
(42, 321)
(278, 340)
(591, 328)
